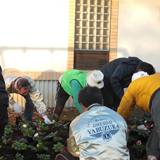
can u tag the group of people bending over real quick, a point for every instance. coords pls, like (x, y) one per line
(100, 132)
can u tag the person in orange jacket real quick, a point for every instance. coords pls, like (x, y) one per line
(144, 92)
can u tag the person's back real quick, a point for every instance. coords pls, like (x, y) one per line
(102, 135)
(109, 68)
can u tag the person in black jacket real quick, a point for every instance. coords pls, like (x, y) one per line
(117, 76)
(4, 102)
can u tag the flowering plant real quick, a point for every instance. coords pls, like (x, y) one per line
(138, 145)
(6, 141)
(20, 145)
(39, 147)
(58, 147)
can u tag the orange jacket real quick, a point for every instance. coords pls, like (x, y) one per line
(139, 93)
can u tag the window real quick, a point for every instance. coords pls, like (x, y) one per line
(92, 29)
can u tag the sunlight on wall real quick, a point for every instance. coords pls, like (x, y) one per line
(32, 31)
(138, 30)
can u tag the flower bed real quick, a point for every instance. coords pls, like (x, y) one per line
(43, 146)
(57, 133)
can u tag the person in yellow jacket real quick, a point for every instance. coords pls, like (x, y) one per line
(144, 92)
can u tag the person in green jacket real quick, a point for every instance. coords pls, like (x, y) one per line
(70, 83)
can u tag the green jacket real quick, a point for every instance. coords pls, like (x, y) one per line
(72, 82)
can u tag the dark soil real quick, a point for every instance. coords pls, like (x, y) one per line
(7, 153)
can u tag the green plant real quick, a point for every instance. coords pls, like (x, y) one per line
(19, 156)
(43, 156)
(6, 141)
(20, 145)
(58, 147)
(51, 135)
(39, 147)
(41, 125)
(8, 129)
(56, 125)
(137, 121)
(57, 139)
(138, 145)
(2, 158)
(29, 132)
(24, 125)
(143, 133)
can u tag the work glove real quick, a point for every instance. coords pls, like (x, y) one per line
(47, 120)
(17, 108)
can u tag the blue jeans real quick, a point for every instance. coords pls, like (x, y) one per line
(29, 107)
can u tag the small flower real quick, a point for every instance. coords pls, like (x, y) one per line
(148, 131)
(64, 149)
(36, 135)
(132, 127)
(53, 121)
(42, 118)
(37, 145)
(148, 127)
(61, 126)
(152, 125)
(24, 125)
(64, 117)
(18, 138)
(22, 120)
(139, 142)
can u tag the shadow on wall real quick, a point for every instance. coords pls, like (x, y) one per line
(22, 51)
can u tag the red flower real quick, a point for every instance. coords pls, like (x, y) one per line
(22, 120)
(64, 149)
(64, 117)
(148, 127)
(42, 118)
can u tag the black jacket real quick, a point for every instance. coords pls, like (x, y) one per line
(119, 72)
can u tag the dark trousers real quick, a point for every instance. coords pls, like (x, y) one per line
(29, 108)
(153, 143)
(65, 156)
(61, 98)
(109, 98)
(3, 119)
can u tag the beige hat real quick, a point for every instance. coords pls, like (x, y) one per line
(95, 78)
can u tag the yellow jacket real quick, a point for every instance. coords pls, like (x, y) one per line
(140, 93)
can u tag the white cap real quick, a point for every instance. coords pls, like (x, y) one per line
(95, 78)
(139, 74)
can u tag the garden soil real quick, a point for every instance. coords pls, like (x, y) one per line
(70, 112)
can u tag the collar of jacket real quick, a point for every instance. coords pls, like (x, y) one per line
(93, 105)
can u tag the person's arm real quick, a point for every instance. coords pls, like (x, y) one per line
(118, 75)
(72, 147)
(126, 105)
(76, 87)
(37, 98)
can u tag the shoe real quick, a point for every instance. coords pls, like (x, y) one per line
(55, 117)
(151, 158)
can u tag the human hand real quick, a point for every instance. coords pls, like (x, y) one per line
(17, 108)
(47, 120)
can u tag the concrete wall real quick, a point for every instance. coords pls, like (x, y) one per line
(139, 30)
(34, 34)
